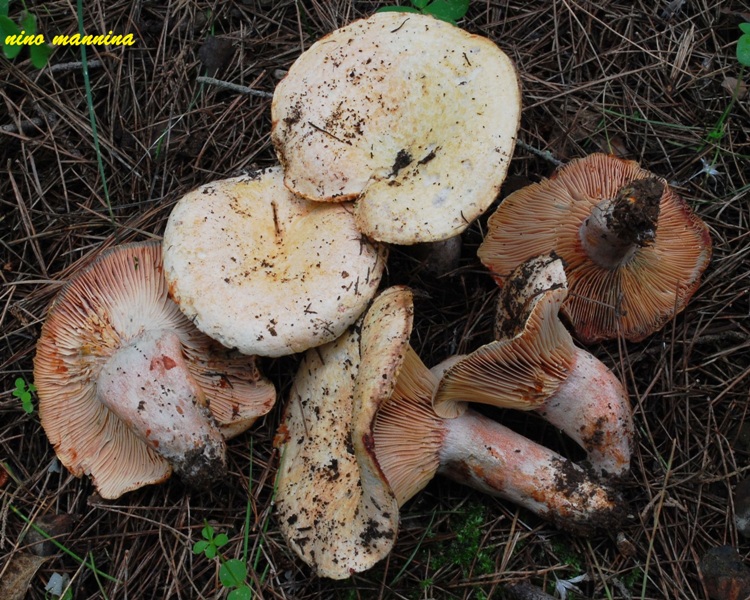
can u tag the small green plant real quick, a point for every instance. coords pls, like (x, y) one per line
(743, 56)
(13, 37)
(232, 572)
(466, 550)
(445, 10)
(58, 587)
(743, 45)
(23, 392)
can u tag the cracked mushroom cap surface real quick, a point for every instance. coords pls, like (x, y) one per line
(116, 307)
(264, 271)
(413, 117)
(334, 506)
(532, 359)
(634, 300)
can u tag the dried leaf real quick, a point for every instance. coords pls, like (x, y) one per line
(732, 85)
(17, 578)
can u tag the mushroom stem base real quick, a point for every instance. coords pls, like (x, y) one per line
(487, 456)
(618, 226)
(148, 386)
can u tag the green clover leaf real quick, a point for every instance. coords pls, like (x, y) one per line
(8, 27)
(241, 593)
(233, 573)
(743, 45)
(447, 10)
(200, 547)
(40, 55)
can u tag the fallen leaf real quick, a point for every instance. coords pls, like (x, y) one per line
(730, 84)
(21, 570)
(54, 526)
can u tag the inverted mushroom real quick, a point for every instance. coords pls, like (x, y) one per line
(127, 385)
(534, 365)
(266, 272)
(411, 116)
(634, 251)
(334, 507)
(393, 417)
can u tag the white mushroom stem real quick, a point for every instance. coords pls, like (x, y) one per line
(148, 386)
(591, 407)
(485, 455)
(619, 226)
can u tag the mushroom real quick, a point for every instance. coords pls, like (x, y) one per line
(534, 365)
(266, 272)
(394, 417)
(129, 389)
(334, 507)
(413, 117)
(633, 250)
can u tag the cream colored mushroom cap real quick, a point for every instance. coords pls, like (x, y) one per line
(334, 507)
(412, 115)
(266, 272)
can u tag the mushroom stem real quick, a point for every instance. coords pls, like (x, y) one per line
(147, 384)
(485, 455)
(619, 226)
(592, 408)
(412, 443)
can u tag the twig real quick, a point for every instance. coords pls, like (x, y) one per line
(72, 66)
(25, 127)
(545, 154)
(526, 591)
(233, 86)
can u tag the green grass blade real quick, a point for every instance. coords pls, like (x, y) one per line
(62, 548)
(92, 116)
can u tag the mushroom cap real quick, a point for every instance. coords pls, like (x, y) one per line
(415, 117)
(104, 308)
(527, 366)
(392, 398)
(236, 392)
(266, 272)
(334, 507)
(633, 300)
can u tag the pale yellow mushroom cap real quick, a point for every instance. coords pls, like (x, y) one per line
(414, 117)
(266, 272)
(334, 507)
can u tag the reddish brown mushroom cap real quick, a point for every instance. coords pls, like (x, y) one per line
(654, 281)
(411, 443)
(106, 319)
(528, 366)
(539, 368)
(236, 392)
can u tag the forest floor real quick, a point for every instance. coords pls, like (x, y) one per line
(656, 83)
